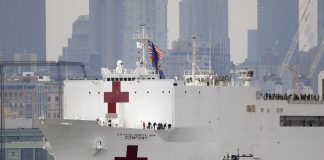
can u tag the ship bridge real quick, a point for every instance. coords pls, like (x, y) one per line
(208, 78)
(120, 73)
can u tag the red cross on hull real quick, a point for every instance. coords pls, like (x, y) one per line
(115, 96)
(131, 154)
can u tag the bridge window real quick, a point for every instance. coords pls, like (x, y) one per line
(112, 79)
(108, 79)
(302, 121)
(279, 110)
(129, 79)
(125, 79)
(250, 108)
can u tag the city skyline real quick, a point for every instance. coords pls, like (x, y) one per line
(59, 24)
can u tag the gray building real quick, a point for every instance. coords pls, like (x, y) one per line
(23, 144)
(277, 23)
(252, 46)
(208, 21)
(320, 18)
(113, 23)
(205, 19)
(78, 49)
(22, 28)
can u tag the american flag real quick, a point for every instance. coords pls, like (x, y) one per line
(157, 49)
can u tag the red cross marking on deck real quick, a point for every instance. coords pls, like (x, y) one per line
(115, 96)
(131, 154)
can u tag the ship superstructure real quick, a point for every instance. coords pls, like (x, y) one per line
(205, 117)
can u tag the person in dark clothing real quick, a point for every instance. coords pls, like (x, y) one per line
(143, 125)
(149, 125)
(154, 124)
(164, 126)
(169, 126)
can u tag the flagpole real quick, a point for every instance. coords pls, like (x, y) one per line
(143, 42)
(142, 36)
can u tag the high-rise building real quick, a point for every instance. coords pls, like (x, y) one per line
(22, 28)
(277, 24)
(252, 46)
(208, 21)
(78, 49)
(113, 23)
(320, 18)
(205, 19)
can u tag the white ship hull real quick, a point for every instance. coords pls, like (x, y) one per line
(78, 141)
(207, 123)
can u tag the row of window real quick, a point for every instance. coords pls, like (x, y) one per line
(25, 154)
(251, 108)
(302, 121)
(57, 98)
(127, 79)
(294, 121)
(12, 139)
(14, 94)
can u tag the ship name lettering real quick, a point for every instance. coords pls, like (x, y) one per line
(134, 136)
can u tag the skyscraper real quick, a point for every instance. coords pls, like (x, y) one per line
(205, 19)
(252, 46)
(277, 25)
(22, 28)
(113, 23)
(78, 48)
(320, 19)
(208, 21)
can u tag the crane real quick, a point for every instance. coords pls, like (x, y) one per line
(294, 77)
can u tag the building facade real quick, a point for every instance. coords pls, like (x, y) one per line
(22, 28)
(114, 22)
(29, 96)
(24, 144)
(252, 46)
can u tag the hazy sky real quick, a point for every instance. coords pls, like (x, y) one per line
(62, 13)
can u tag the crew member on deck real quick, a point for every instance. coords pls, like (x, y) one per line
(154, 124)
(169, 126)
(149, 125)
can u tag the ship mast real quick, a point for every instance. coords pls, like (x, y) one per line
(142, 36)
(193, 63)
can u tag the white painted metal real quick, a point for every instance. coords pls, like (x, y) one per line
(207, 123)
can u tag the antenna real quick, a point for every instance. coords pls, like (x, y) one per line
(209, 63)
(210, 50)
(142, 36)
(193, 58)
